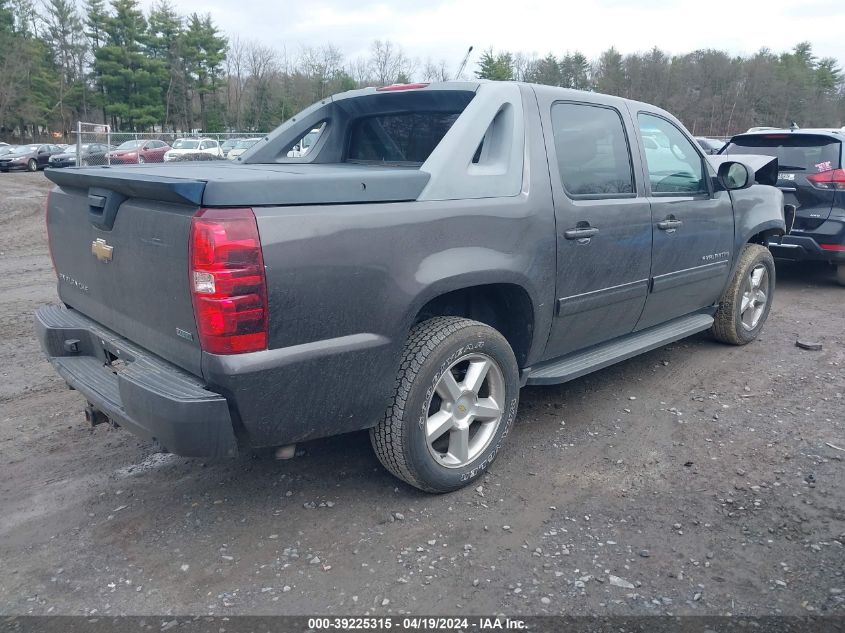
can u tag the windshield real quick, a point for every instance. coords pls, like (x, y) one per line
(232, 142)
(246, 143)
(129, 145)
(25, 149)
(183, 143)
(795, 152)
(71, 149)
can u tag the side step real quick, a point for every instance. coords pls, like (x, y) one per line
(580, 363)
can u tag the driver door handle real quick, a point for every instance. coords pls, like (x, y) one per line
(669, 224)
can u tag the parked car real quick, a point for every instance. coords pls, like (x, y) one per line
(303, 146)
(438, 248)
(710, 145)
(29, 157)
(228, 145)
(192, 147)
(243, 145)
(812, 178)
(139, 151)
(91, 154)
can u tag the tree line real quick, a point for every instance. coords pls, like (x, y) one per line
(61, 61)
(712, 92)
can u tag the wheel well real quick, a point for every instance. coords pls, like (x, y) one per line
(505, 307)
(763, 236)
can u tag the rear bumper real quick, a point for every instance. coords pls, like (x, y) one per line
(807, 245)
(140, 392)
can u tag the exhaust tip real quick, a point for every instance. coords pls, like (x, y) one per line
(286, 452)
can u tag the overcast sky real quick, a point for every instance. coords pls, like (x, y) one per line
(439, 29)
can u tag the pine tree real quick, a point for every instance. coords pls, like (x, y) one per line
(495, 67)
(131, 78)
(166, 30)
(610, 74)
(205, 50)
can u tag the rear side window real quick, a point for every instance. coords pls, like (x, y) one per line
(592, 151)
(404, 138)
(795, 152)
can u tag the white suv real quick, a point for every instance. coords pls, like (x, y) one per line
(191, 146)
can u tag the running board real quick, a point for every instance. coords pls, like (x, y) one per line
(580, 363)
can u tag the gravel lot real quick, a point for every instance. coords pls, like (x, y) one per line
(693, 480)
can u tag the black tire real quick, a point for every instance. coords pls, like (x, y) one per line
(141, 160)
(840, 274)
(433, 347)
(32, 165)
(728, 326)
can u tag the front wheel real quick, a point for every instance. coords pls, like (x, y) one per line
(746, 302)
(32, 165)
(453, 404)
(141, 160)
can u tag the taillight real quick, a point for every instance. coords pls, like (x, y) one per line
(832, 247)
(830, 180)
(228, 284)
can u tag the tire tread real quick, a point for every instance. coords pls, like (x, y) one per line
(387, 435)
(724, 326)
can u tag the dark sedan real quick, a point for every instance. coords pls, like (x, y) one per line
(29, 157)
(91, 154)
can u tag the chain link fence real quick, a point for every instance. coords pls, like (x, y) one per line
(97, 144)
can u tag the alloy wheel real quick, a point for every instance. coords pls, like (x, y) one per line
(465, 410)
(755, 295)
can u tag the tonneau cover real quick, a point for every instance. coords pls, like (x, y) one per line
(224, 184)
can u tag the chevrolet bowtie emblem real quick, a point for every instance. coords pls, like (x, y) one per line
(101, 250)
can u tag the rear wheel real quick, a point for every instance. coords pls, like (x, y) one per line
(746, 302)
(32, 165)
(453, 404)
(840, 274)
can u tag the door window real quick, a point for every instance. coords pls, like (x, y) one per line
(674, 164)
(593, 156)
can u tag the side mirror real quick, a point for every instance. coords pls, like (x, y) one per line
(734, 175)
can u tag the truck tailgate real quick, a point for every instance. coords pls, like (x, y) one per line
(123, 262)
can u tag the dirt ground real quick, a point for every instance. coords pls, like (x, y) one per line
(695, 479)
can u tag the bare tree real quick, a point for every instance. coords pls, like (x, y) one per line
(359, 70)
(388, 62)
(263, 66)
(323, 64)
(236, 64)
(436, 71)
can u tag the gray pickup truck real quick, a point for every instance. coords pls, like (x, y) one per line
(436, 248)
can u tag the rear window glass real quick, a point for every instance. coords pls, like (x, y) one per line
(185, 144)
(592, 150)
(408, 137)
(794, 152)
